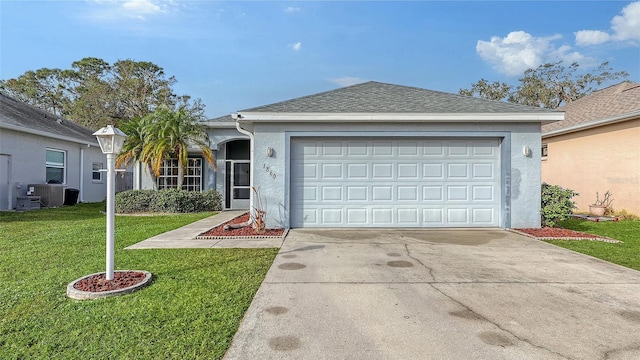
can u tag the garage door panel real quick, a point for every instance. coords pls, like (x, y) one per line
(457, 193)
(332, 171)
(407, 148)
(395, 182)
(483, 171)
(433, 171)
(382, 171)
(457, 171)
(407, 171)
(357, 216)
(357, 148)
(483, 216)
(357, 171)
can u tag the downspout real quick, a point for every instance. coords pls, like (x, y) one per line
(81, 185)
(237, 118)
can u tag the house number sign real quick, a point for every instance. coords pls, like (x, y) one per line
(269, 171)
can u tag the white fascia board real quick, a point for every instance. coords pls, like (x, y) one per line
(221, 125)
(47, 134)
(406, 117)
(597, 123)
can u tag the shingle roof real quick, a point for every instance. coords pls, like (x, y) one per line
(375, 97)
(613, 101)
(17, 114)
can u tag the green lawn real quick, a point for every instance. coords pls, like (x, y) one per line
(190, 311)
(625, 254)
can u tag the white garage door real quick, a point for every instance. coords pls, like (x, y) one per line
(360, 182)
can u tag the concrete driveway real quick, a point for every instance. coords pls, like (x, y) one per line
(431, 294)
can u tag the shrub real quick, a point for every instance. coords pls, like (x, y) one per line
(556, 204)
(170, 200)
(132, 201)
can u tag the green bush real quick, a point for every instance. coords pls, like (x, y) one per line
(132, 201)
(167, 201)
(556, 204)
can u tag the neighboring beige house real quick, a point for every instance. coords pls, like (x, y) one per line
(597, 147)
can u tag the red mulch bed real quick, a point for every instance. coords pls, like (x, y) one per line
(99, 283)
(551, 233)
(246, 231)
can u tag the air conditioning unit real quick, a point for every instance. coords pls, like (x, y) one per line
(51, 195)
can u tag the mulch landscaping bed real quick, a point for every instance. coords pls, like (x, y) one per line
(99, 283)
(549, 233)
(244, 232)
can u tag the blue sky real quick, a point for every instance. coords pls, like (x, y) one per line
(239, 54)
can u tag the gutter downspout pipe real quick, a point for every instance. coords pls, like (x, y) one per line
(237, 118)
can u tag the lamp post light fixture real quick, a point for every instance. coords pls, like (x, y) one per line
(111, 140)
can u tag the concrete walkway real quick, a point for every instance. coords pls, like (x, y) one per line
(185, 237)
(430, 294)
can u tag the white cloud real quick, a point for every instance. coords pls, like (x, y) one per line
(109, 10)
(591, 37)
(519, 51)
(624, 27)
(141, 7)
(627, 25)
(292, 9)
(297, 46)
(346, 81)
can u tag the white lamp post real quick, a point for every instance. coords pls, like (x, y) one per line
(111, 140)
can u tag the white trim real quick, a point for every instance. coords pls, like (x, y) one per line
(47, 134)
(220, 124)
(48, 164)
(597, 123)
(407, 117)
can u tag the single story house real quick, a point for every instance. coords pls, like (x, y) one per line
(378, 155)
(37, 147)
(597, 148)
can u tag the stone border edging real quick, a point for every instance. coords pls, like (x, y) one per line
(76, 294)
(247, 237)
(596, 238)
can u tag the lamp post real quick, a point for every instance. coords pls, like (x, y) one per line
(111, 140)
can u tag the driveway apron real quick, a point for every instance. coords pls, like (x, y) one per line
(438, 294)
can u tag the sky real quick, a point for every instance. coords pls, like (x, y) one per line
(235, 55)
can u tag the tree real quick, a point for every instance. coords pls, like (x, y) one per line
(95, 93)
(483, 89)
(549, 85)
(162, 135)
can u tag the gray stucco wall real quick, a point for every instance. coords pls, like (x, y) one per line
(211, 180)
(520, 176)
(28, 164)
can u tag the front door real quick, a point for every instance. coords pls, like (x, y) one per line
(240, 183)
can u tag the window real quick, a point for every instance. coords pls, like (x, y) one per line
(96, 174)
(192, 178)
(56, 161)
(545, 151)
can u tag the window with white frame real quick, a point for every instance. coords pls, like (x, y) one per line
(96, 174)
(56, 166)
(168, 177)
(545, 151)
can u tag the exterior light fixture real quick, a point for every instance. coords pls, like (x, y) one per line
(111, 140)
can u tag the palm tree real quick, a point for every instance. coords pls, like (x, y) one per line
(162, 135)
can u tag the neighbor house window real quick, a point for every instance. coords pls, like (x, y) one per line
(56, 166)
(192, 177)
(545, 150)
(96, 174)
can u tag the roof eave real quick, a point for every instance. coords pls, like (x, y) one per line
(220, 124)
(47, 134)
(405, 117)
(593, 124)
